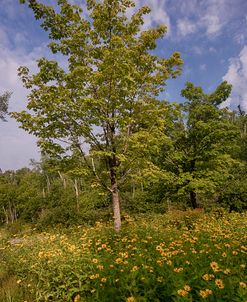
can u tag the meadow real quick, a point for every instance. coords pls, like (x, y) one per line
(178, 256)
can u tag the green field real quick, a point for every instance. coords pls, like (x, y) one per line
(179, 256)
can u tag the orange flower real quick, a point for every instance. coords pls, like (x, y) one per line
(205, 293)
(215, 266)
(182, 292)
(219, 283)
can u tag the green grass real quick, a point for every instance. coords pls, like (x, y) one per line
(179, 256)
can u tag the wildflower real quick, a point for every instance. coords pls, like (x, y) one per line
(242, 284)
(178, 269)
(103, 280)
(130, 299)
(159, 262)
(219, 283)
(77, 298)
(187, 288)
(224, 254)
(100, 267)
(94, 276)
(119, 260)
(158, 248)
(242, 265)
(134, 268)
(205, 293)
(18, 281)
(208, 277)
(182, 292)
(95, 261)
(227, 271)
(159, 279)
(215, 266)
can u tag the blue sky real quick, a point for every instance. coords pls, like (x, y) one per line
(211, 36)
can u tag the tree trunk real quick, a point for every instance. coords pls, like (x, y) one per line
(115, 201)
(77, 195)
(193, 199)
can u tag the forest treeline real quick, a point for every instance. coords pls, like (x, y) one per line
(197, 161)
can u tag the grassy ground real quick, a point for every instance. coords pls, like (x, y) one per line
(179, 256)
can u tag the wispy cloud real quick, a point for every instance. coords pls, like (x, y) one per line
(203, 67)
(237, 76)
(158, 13)
(185, 27)
(209, 17)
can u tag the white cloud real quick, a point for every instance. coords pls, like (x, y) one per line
(212, 24)
(203, 67)
(237, 76)
(158, 13)
(185, 27)
(17, 147)
(209, 16)
(198, 50)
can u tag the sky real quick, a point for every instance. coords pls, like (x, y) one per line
(211, 36)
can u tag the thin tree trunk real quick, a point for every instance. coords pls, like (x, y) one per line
(115, 201)
(77, 195)
(6, 215)
(193, 199)
(48, 183)
(62, 179)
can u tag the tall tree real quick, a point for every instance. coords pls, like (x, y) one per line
(4, 102)
(203, 143)
(111, 81)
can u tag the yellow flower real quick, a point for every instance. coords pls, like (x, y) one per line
(103, 280)
(77, 298)
(208, 277)
(178, 269)
(242, 284)
(182, 292)
(214, 266)
(130, 299)
(187, 288)
(94, 276)
(119, 260)
(18, 281)
(205, 293)
(134, 268)
(169, 262)
(227, 271)
(219, 283)
(158, 248)
(95, 261)
(159, 262)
